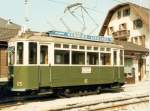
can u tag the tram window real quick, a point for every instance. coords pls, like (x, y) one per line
(81, 47)
(89, 48)
(32, 53)
(121, 57)
(57, 45)
(19, 53)
(95, 48)
(92, 58)
(74, 46)
(65, 46)
(78, 57)
(115, 57)
(11, 53)
(43, 54)
(102, 49)
(105, 58)
(107, 49)
(61, 57)
(11, 58)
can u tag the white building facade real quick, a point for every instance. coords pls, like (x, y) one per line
(130, 23)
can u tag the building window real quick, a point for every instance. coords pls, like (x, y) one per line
(137, 24)
(135, 40)
(123, 26)
(126, 12)
(78, 57)
(32, 53)
(107, 31)
(20, 53)
(105, 58)
(111, 29)
(43, 54)
(61, 57)
(119, 14)
(142, 40)
(92, 58)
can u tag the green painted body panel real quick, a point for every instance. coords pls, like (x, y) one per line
(28, 75)
(33, 77)
(72, 76)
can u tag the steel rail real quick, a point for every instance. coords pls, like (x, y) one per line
(105, 103)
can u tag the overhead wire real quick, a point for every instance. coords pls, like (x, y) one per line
(58, 2)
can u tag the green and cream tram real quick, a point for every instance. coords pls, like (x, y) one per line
(40, 61)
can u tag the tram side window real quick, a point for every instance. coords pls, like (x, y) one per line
(19, 53)
(105, 58)
(92, 58)
(43, 54)
(78, 57)
(115, 57)
(61, 57)
(32, 53)
(121, 57)
(11, 53)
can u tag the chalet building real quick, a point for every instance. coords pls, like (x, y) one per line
(7, 31)
(128, 23)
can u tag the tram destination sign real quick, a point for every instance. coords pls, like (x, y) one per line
(81, 36)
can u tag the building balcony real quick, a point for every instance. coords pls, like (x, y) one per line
(121, 34)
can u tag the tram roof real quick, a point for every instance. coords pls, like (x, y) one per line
(45, 39)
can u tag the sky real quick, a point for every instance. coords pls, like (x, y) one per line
(46, 15)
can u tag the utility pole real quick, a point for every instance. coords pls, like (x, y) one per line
(26, 18)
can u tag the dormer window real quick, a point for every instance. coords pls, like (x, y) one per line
(126, 12)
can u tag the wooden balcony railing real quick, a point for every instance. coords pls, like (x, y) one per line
(121, 34)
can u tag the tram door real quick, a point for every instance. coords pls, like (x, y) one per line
(116, 65)
(44, 74)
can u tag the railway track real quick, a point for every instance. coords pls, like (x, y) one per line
(105, 104)
(20, 100)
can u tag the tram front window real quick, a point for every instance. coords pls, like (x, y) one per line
(115, 57)
(20, 53)
(121, 57)
(11, 53)
(105, 58)
(32, 53)
(92, 58)
(78, 57)
(61, 57)
(43, 54)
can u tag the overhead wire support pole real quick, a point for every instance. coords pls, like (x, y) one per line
(26, 19)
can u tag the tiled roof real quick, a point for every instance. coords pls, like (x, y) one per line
(8, 29)
(6, 34)
(8, 24)
(128, 46)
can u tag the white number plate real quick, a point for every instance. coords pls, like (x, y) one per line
(86, 70)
